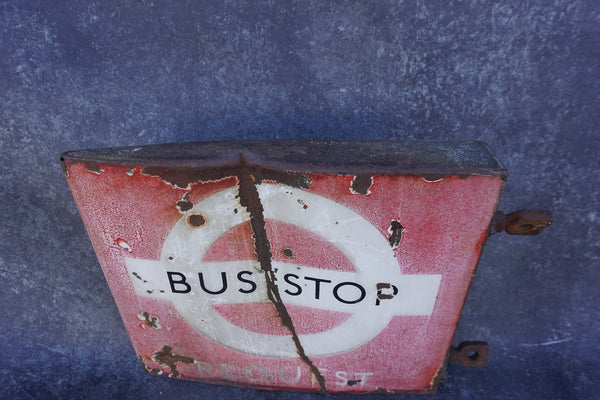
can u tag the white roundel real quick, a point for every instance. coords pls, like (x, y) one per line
(175, 277)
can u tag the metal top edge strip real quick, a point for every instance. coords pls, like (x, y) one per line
(310, 155)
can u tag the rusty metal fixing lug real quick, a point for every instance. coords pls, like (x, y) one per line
(521, 222)
(470, 354)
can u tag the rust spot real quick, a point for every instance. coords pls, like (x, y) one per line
(395, 230)
(184, 206)
(137, 275)
(183, 177)
(361, 184)
(150, 320)
(294, 180)
(385, 296)
(151, 371)
(196, 220)
(439, 376)
(302, 203)
(288, 252)
(166, 357)
(250, 199)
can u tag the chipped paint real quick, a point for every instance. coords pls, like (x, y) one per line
(395, 230)
(150, 321)
(250, 199)
(93, 167)
(196, 220)
(167, 358)
(288, 252)
(432, 178)
(122, 243)
(184, 204)
(361, 184)
(281, 273)
(151, 371)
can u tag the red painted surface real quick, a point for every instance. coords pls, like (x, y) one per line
(129, 215)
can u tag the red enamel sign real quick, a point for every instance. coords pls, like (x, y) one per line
(336, 266)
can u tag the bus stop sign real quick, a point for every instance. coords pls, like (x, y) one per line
(309, 265)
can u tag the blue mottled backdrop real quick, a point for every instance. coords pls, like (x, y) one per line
(524, 76)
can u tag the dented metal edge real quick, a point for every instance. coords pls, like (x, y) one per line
(431, 160)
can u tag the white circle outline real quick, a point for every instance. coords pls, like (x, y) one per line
(360, 241)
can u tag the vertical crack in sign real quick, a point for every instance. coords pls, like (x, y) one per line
(250, 199)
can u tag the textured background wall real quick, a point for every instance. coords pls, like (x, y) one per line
(522, 76)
